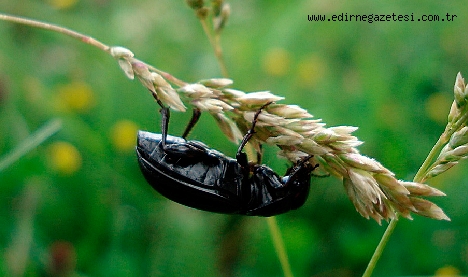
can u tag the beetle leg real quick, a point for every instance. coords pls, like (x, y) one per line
(259, 155)
(195, 117)
(292, 173)
(251, 131)
(165, 115)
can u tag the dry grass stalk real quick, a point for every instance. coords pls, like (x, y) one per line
(373, 189)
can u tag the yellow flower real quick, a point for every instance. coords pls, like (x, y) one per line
(434, 105)
(311, 70)
(447, 270)
(62, 4)
(276, 62)
(64, 157)
(123, 135)
(76, 96)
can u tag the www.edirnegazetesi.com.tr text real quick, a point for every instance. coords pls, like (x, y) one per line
(370, 18)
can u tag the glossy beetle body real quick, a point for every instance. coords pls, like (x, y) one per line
(192, 174)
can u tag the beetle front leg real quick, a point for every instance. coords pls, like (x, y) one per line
(249, 134)
(294, 172)
(195, 117)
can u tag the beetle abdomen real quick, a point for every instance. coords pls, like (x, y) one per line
(199, 182)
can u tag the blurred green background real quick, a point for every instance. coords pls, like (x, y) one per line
(78, 205)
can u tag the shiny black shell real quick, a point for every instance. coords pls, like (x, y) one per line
(192, 174)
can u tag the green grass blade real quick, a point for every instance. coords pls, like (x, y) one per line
(38, 137)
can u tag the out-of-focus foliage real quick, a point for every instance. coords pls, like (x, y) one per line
(78, 202)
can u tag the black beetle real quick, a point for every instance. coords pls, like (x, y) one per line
(192, 174)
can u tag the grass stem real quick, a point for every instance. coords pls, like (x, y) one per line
(55, 28)
(279, 246)
(215, 42)
(379, 250)
(272, 223)
(50, 128)
(419, 177)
